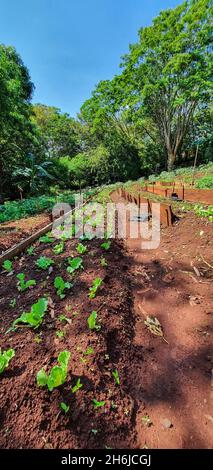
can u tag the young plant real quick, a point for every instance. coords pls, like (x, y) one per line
(33, 318)
(5, 358)
(13, 303)
(116, 376)
(64, 407)
(81, 249)
(77, 386)
(103, 262)
(57, 375)
(46, 239)
(63, 318)
(8, 266)
(91, 320)
(59, 248)
(95, 285)
(24, 285)
(30, 250)
(60, 334)
(74, 264)
(60, 286)
(44, 263)
(98, 404)
(106, 245)
(89, 351)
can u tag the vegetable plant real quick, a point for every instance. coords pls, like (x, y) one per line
(30, 250)
(44, 263)
(64, 407)
(81, 249)
(60, 334)
(33, 318)
(106, 245)
(103, 262)
(77, 386)
(57, 375)
(74, 264)
(24, 285)
(8, 265)
(95, 285)
(91, 320)
(98, 404)
(60, 286)
(5, 358)
(46, 239)
(59, 248)
(116, 376)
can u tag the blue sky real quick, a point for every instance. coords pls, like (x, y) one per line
(70, 45)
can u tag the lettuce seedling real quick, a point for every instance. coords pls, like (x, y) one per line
(46, 239)
(24, 285)
(81, 249)
(60, 334)
(77, 386)
(5, 358)
(98, 404)
(58, 249)
(64, 407)
(57, 375)
(60, 286)
(44, 263)
(91, 320)
(95, 285)
(74, 264)
(106, 245)
(8, 266)
(103, 262)
(33, 318)
(116, 376)
(30, 250)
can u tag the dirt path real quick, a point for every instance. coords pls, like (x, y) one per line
(172, 383)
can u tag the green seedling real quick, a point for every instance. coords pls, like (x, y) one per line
(30, 250)
(146, 420)
(89, 351)
(13, 303)
(94, 431)
(103, 262)
(64, 407)
(91, 320)
(8, 266)
(46, 239)
(95, 285)
(63, 318)
(37, 339)
(58, 249)
(116, 376)
(57, 375)
(60, 334)
(24, 285)
(74, 264)
(60, 286)
(83, 360)
(106, 245)
(35, 317)
(98, 404)
(5, 358)
(44, 263)
(77, 386)
(81, 249)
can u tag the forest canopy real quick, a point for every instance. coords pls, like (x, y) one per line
(152, 116)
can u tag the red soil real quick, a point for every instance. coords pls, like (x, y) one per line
(15, 231)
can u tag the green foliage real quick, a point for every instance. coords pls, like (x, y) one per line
(98, 404)
(46, 239)
(5, 358)
(57, 375)
(91, 320)
(44, 263)
(30, 250)
(106, 245)
(59, 248)
(116, 376)
(204, 212)
(103, 262)
(24, 285)
(8, 265)
(64, 407)
(77, 386)
(95, 285)
(81, 249)
(205, 183)
(60, 286)
(35, 317)
(74, 264)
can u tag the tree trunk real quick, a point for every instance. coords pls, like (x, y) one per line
(171, 160)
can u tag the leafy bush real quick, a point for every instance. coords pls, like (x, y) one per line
(205, 183)
(5, 358)
(57, 375)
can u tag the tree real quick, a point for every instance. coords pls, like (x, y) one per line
(168, 72)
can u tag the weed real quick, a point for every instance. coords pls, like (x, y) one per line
(60, 334)
(95, 285)
(57, 375)
(103, 262)
(5, 358)
(13, 303)
(89, 351)
(24, 285)
(146, 420)
(30, 250)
